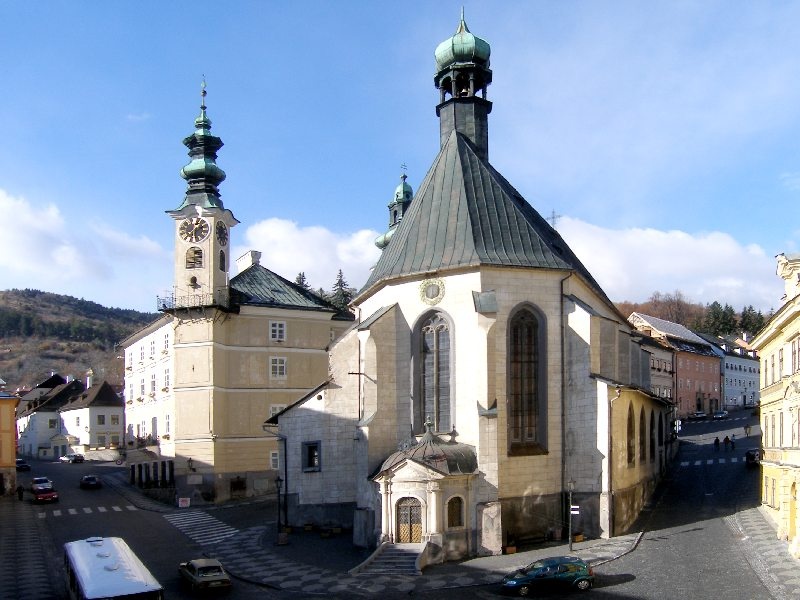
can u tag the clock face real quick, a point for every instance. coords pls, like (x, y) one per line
(222, 233)
(194, 229)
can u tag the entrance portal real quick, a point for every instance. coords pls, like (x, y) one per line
(409, 521)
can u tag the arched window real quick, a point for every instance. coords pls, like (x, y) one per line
(526, 383)
(631, 437)
(652, 436)
(434, 374)
(222, 260)
(455, 512)
(194, 258)
(642, 438)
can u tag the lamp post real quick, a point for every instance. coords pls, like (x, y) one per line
(570, 488)
(278, 483)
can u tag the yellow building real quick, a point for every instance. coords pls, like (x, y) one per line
(778, 344)
(225, 353)
(8, 442)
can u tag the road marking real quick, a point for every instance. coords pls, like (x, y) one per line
(201, 527)
(131, 507)
(72, 511)
(116, 509)
(722, 461)
(41, 515)
(101, 509)
(710, 461)
(87, 510)
(697, 463)
(56, 513)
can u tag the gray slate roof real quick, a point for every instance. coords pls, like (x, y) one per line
(97, 395)
(466, 214)
(668, 328)
(259, 286)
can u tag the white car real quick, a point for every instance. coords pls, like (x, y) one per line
(71, 458)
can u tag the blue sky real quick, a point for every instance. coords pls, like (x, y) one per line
(666, 136)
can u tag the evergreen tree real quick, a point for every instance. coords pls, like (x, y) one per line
(712, 323)
(341, 294)
(728, 321)
(302, 281)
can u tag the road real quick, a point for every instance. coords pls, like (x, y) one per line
(693, 545)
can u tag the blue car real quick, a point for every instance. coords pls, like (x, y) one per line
(567, 572)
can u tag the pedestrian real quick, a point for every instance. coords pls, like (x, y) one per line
(20, 491)
(727, 442)
(716, 444)
(747, 430)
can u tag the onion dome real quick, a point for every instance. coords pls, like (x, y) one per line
(202, 174)
(446, 457)
(403, 194)
(463, 47)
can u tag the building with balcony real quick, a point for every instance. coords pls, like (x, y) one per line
(778, 345)
(225, 353)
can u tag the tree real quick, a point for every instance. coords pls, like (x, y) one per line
(341, 294)
(302, 281)
(728, 321)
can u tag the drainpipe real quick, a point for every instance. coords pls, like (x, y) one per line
(563, 394)
(611, 462)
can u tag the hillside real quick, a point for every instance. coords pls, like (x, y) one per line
(42, 332)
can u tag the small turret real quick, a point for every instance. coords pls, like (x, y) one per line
(397, 208)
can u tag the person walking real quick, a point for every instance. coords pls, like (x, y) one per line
(716, 444)
(747, 430)
(727, 442)
(20, 491)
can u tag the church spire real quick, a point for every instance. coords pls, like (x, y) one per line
(397, 209)
(462, 72)
(202, 174)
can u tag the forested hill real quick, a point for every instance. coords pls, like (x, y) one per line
(42, 332)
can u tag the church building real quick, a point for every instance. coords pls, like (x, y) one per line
(487, 378)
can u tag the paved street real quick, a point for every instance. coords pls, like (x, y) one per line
(704, 536)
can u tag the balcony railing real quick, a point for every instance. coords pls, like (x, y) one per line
(220, 297)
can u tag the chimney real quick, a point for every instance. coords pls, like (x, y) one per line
(248, 259)
(89, 378)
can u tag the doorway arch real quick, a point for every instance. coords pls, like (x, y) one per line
(409, 521)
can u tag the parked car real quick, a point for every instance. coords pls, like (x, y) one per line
(719, 415)
(568, 572)
(204, 574)
(752, 457)
(698, 415)
(22, 465)
(90, 482)
(72, 458)
(43, 490)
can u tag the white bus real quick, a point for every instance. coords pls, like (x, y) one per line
(107, 568)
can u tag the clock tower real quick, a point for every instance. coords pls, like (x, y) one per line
(202, 223)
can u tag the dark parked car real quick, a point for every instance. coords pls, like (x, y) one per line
(72, 458)
(568, 572)
(43, 490)
(699, 415)
(205, 574)
(752, 457)
(90, 482)
(22, 465)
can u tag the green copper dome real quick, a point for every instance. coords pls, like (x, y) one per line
(463, 47)
(402, 193)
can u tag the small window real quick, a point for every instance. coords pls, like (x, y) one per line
(277, 331)
(51, 423)
(277, 368)
(101, 419)
(166, 341)
(115, 440)
(115, 419)
(273, 461)
(455, 512)
(152, 348)
(274, 409)
(311, 456)
(77, 421)
(194, 258)
(166, 379)
(166, 423)
(222, 263)
(153, 383)
(101, 441)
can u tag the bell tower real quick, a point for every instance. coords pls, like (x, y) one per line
(202, 223)
(462, 72)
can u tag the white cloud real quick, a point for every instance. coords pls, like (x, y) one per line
(631, 264)
(48, 252)
(288, 248)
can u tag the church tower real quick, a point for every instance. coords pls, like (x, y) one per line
(462, 71)
(202, 223)
(397, 209)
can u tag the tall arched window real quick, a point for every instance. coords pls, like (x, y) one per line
(642, 438)
(526, 383)
(434, 372)
(222, 260)
(194, 258)
(455, 512)
(631, 437)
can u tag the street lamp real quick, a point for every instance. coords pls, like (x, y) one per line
(278, 483)
(571, 488)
